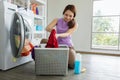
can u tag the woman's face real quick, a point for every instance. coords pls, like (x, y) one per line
(68, 16)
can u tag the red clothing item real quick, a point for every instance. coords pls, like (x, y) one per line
(52, 41)
(27, 48)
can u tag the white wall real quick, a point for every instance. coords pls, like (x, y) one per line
(82, 37)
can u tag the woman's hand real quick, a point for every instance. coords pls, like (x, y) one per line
(57, 35)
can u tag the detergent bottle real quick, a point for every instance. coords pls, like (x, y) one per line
(78, 64)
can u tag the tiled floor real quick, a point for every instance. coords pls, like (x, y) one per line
(99, 67)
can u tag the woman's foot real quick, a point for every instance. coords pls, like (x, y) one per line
(83, 69)
(70, 66)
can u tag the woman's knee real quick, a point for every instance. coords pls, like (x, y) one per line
(43, 41)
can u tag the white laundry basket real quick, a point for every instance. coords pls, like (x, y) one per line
(51, 61)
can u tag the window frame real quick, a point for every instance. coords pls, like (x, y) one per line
(118, 45)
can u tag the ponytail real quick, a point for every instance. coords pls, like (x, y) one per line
(71, 23)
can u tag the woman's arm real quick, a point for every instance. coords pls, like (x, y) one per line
(51, 25)
(69, 32)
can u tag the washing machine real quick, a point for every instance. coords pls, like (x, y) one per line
(13, 25)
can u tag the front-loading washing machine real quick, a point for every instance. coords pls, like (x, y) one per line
(12, 24)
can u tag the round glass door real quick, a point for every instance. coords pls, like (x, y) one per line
(17, 35)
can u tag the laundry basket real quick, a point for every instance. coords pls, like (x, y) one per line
(51, 61)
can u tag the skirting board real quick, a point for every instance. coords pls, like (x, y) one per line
(98, 53)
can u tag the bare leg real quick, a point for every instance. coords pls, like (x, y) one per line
(71, 60)
(72, 56)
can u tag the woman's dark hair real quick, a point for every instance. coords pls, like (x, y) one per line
(72, 9)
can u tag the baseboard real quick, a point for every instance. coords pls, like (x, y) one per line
(98, 53)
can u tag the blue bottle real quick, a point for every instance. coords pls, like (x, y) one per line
(77, 69)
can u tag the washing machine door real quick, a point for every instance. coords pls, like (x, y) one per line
(28, 29)
(17, 35)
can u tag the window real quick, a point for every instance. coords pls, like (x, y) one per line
(106, 24)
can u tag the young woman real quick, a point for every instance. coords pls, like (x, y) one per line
(65, 26)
